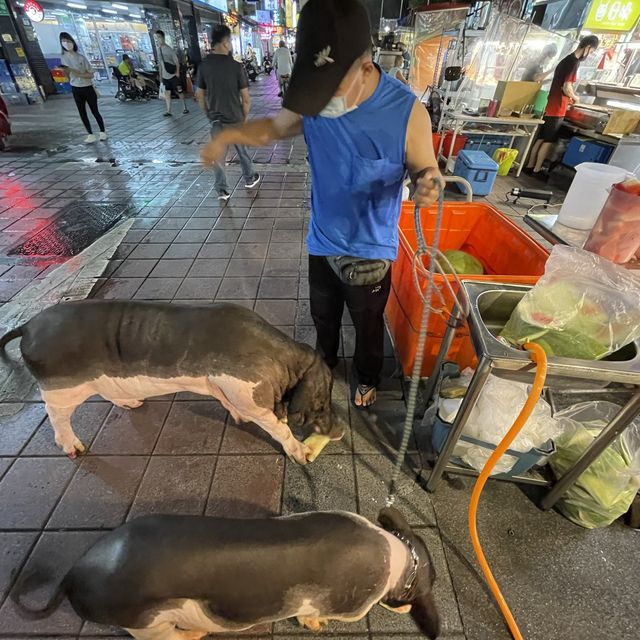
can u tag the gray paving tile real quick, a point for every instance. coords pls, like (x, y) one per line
(54, 554)
(174, 484)
(288, 224)
(306, 334)
(158, 289)
(334, 629)
(184, 250)
(100, 494)
(273, 288)
(223, 235)
(192, 427)
(247, 486)
(31, 488)
(250, 250)
(201, 223)
(245, 267)
(171, 268)
(259, 223)
(135, 268)
(131, 431)
(255, 235)
(223, 224)
(238, 288)
(9, 288)
(326, 484)
(216, 250)
(545, 565)
(165, 236)
(171, 223)
(198, 289)
(86, 420)
(192, 235)
(247, 438)
(277, 312)
(288, 250)
(208, 268)
(19, 421)
(149, 251)
(303, 314)
(5, 463)
(282, 267)
(15, 547)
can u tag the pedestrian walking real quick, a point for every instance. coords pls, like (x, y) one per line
(364, 131)
(81, 74)
(283, 63)
(169, 73)
(223, 94)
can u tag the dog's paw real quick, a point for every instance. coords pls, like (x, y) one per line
(128, 404)
(313, 624)
(72, 448)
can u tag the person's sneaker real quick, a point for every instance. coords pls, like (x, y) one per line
(167, 114)
(103, 135)
(252, 182)
(223, 195)
(90, 138)
(185, 110)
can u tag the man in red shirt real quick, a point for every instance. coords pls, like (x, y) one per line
(561, 95)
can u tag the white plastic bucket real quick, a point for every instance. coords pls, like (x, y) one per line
(588, 193)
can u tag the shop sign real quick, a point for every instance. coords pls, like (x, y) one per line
(34, 11)
(270, 5)
(263, 17)
(220, 5)
(613, 15)
(4, 10)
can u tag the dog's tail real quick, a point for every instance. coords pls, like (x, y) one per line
(8, 337)
(31, 580)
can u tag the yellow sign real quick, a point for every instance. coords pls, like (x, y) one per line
(612, 15)
(289, 13)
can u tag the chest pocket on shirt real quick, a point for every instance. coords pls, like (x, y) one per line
(374, 175)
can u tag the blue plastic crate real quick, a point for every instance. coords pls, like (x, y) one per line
(487, 143)
(478, 169)
(524, 460)
(581, 150)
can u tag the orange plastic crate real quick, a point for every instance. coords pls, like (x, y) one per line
(507, 253)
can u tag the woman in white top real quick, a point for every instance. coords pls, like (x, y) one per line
(398, 74)
(81, 78)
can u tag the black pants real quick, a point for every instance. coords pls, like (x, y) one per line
(87, 96)
(366, 305)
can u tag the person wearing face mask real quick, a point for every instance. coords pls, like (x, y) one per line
(364, 131)
(80, 74)
(561, 95)
(223, 94)
(169, 73)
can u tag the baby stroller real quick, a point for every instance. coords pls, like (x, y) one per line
(127, 90)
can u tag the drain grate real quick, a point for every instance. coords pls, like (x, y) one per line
(73, 230)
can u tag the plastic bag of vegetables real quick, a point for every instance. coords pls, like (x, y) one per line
(605, 491)
(583, 307)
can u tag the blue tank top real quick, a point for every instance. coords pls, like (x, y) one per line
(357, 169)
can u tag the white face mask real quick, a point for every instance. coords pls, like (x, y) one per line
(67, 46)
(337, 106)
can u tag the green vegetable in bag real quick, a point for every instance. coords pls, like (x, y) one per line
(462, 263)
(605, 491)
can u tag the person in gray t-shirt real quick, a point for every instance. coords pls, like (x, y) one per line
(169, 72)
(223, 94)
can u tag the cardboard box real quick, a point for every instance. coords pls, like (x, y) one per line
(513, 95)
(622, 121)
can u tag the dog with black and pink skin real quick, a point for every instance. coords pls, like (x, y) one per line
(127, 351)
(183, 577)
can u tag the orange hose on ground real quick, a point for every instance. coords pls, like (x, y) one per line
(540, 358)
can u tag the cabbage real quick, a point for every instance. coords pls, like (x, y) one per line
(462, 263)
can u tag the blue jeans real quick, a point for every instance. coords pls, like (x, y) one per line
(243, 155)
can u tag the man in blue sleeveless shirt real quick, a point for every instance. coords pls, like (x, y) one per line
(364, 131)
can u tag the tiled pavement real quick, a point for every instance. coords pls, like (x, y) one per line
(183, 455)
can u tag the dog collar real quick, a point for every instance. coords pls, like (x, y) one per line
(415, 560)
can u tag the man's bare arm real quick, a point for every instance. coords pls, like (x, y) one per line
(420, 155)
(567, 89)
(202, 100)
(253, 133)
(246, 102)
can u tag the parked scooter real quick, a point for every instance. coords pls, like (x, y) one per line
(250, 68)
(268, 65)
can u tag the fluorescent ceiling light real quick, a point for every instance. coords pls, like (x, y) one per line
(76, 5)
(623, 105)
(135, 15)
(120, 6)
(109, 11)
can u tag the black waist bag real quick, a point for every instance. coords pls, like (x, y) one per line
(359, 271)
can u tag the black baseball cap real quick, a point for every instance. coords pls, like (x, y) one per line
(332, 35)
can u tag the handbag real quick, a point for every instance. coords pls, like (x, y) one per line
(168, 67)
(359, 272)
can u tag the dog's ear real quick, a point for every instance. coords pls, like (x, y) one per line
(391, 519)
(425, 615)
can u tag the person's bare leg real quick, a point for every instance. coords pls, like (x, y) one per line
(167, 99)
(543, 153)
(534, 154)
